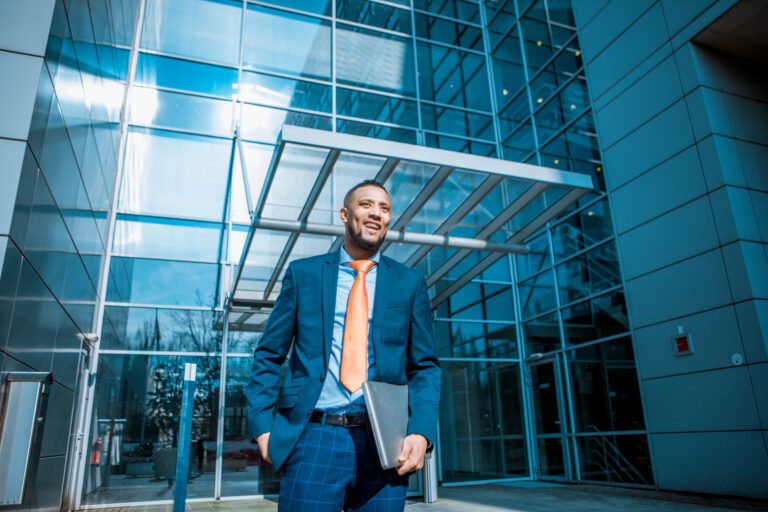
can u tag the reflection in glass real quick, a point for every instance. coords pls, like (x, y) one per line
(186, 75)
(455, 34)
(537, 294)
(605, 387)
(299, 167)
(582, 230)
(376, 107)
(542, 334)
(164, 109)
(454, 77)
(374, 14)
(134, 428)
(456, 122)
(460, 145)
(376, 131)
(615, 458)
(263, 124)
(508, 69)
(366, 58)
(175, 174)
(287, 43)
(166, 238)
(193, 28)
(596, 318)
(475, 339)
(285, 92)
(150, 281)
(463, 10)
(481, 428)
(244, 472)
(131, 328)
(588, 273)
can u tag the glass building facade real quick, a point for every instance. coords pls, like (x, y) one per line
(539, 377)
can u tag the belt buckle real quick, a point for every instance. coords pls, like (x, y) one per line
(351, 420)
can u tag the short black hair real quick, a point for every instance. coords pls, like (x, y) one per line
(364, 183)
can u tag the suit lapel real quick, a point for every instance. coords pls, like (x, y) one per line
(383, 277)
(329, 280)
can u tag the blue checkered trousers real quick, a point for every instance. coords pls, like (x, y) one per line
(333, 468)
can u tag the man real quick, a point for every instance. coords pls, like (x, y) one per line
(349, 316)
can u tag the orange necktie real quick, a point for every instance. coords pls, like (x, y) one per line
(354, 350)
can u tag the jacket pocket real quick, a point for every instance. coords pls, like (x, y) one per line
(288, 397)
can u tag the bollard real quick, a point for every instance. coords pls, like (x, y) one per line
(185, 434)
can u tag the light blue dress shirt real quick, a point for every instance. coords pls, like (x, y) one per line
(334, 396)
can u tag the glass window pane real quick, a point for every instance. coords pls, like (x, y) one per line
(160, 329)
(149, 281)
(287, 43)
(260, 264)
(460, 9)
(582, 230)
(376, 107)
(508, 73)
(135, 424)
(538, 259)
(166, 238)
(313, 6)
(479, 438)
(285, 92)
(596, 318)
(294, 178)
(185, 75)
(453, 77)
(475, 339)
(542, 334)
(461, 145)
(520, 144)
(502, 16)
(596, 451)
(366, 58)
(193, 28)
(244, 473)
(376, 131)
(257, 159)
(263, 124)
(605, 387)
(456, 122)
(374, 14)
(175, 174)
(455, 34)
(163, 109)
(537, 294)
(588, 273)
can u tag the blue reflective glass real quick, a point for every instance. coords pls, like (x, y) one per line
(376, 131)
(166, 238)
(448, 32)
(263, 124)
(596, 318)
(161, 329)
(464, 10)
(454, 77)
(582, 230)
(542, 334)
(536, 260)
(185, 75)
(537, 294)
(474, 339)
(375, 60)
(461, 145)
(520, 144)
(456, 122)
(501, 16)
(313, 6)
(194, 28)
(376, 107)
(287, 43)
(137, 406)
(257, 159)
(508, 73)
(175, 174)
(285, 92)
(164, 109)
(588, 273)
(148, 281)
(374, 14)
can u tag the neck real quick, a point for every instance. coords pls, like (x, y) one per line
(355, 251)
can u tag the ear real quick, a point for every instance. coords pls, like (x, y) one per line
(343, 213)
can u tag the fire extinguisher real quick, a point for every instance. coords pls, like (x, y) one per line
(96, 453)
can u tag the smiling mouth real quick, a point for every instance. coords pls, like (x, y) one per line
(371, 226)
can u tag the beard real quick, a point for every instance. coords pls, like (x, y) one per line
(368, 245)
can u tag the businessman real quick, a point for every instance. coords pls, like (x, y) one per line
(349, 316)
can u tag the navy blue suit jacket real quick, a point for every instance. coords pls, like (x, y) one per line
(302, 318)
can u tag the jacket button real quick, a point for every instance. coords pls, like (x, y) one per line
(309, 414)
(322, 378)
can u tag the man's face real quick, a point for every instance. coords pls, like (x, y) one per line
(367, 217)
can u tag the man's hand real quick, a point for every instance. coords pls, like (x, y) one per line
(263, 441)
(412, 456)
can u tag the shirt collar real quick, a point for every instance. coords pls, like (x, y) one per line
(346, 258)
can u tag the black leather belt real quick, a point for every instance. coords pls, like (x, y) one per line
(347, 419)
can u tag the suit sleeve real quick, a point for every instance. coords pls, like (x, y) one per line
(422, 369)
(268, 357)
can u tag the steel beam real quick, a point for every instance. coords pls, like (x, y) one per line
(395, 236)
(523, 200)
(322, 177)
(545, 216)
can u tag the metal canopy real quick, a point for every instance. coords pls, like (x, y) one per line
(453, 214)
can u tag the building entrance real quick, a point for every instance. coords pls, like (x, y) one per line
(551, 457)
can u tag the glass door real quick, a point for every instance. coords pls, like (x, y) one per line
(551, 454)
